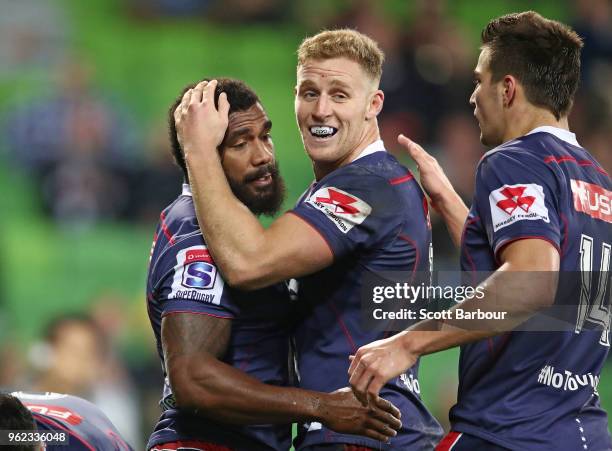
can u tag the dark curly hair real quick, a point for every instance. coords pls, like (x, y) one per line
(239, 96)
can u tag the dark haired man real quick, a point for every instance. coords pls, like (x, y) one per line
(225, 353)
(542, 205)
(84, 426)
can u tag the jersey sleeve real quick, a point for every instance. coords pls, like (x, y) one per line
(352, 211)
(517, 199)
(190, 282)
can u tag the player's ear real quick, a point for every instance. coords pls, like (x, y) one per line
(376, 104)
(509, 84)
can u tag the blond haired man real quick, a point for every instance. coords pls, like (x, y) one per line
(363, 213)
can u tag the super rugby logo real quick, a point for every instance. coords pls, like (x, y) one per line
(343, 209)
(198, 271)
(195, 276)
(512, 203)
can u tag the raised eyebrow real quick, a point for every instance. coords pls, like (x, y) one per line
(267, 126)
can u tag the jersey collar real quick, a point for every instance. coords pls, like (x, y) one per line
(186, 189)
(376, 146)
(562, 134)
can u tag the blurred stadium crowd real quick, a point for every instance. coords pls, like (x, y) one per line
(85, 163)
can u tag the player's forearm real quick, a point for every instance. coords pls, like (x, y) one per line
(223, 393)
(509, 299)
(232, 232)
(454, 213)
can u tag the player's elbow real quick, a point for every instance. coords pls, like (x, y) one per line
(193, 387)
(246, 277)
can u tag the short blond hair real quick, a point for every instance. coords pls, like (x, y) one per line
(345, 43)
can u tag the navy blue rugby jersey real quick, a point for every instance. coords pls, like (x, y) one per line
(87, 428)
(183, 278)
(538, 390)
(374, 217)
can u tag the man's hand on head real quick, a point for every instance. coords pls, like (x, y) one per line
(200, 125)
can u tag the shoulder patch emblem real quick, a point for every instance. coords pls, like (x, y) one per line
(512, 203)
(343, 209)
(195, 276)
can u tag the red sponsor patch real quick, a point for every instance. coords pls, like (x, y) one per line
(342, 208)
(340, 201)
(198, 255)
(592, 200)
(515, 199)
(59, 412)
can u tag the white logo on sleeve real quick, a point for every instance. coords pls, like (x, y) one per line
(343, 209)
(195, 277)
(512, 203)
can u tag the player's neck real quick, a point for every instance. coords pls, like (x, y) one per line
(529, 118)
(321, 169)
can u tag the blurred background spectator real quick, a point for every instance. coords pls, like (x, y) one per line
(85, 169)
(76, 146)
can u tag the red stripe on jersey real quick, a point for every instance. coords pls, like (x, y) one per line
(164, 227)
(526, 237)
(553, 159)
(190, 445)
(196, 313)
(449, 441)
(402, 179)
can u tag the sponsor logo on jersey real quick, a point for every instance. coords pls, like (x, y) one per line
(566, 380)
(198, 270)
(410, 382)
(59, 412)
(195, 276)
(343, 209)
(592, 200)
(512, 203)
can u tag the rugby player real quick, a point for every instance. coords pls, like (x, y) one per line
(363, 213)
(69, 423)
(225, 352)
(541, 205)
